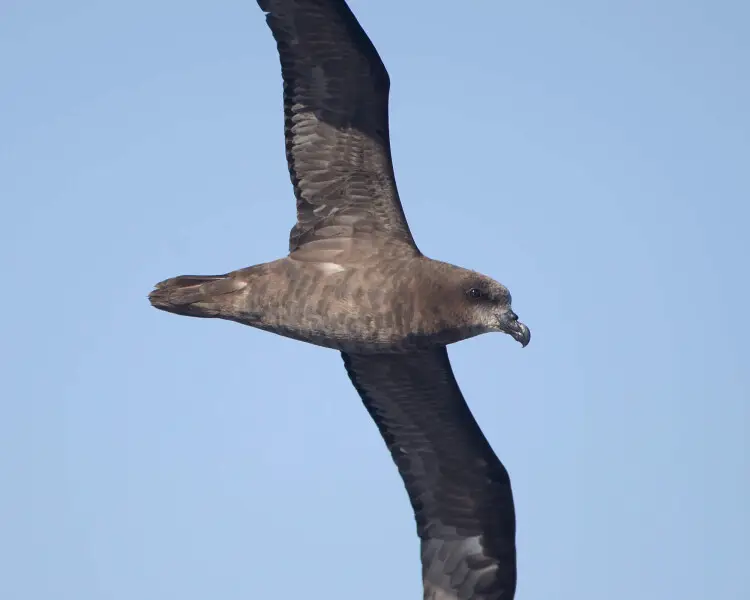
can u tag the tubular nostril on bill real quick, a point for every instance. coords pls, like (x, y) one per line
(512, 316)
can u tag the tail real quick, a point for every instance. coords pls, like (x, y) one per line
(195, 295)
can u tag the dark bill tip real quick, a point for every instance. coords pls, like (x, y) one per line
(521, 334)
(510, 324)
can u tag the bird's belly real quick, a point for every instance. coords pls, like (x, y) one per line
(349, 334)
(358, 311)
(358, 327)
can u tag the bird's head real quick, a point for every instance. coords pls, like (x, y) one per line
(489, 304)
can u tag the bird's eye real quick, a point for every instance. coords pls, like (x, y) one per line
(475, 293)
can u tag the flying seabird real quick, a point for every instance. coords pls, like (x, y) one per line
(355, 281)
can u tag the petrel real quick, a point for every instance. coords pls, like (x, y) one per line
(355, 281)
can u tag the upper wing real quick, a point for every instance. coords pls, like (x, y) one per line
(459, 490)
(335, 124)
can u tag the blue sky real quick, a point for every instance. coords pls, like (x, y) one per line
(593, 156)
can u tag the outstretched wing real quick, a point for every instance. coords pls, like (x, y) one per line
(459, 490)
(335, 124)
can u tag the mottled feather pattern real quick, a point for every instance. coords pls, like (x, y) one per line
(335, 123)
(362, 308)
(459, 490)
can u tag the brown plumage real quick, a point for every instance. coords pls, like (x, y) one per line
(355, 281)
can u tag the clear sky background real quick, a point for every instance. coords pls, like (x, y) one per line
(594, 156)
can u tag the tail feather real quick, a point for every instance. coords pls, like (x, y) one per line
(194, 295)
